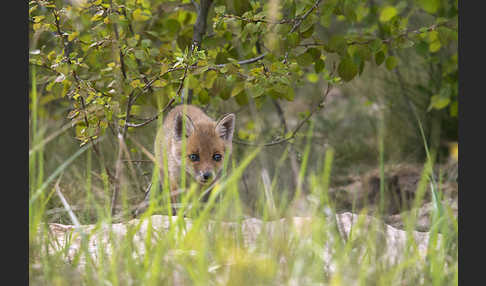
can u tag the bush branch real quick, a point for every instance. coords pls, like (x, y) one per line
(296, 129)
(299, 21)
(215, 67)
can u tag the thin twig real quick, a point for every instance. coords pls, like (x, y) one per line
(138, 161)
(135, 125)
(280, 115)
(244, 62)
(302, 18)
(169, 104)
(248, 20)
(292, 153)
(296, 129)
(78, 82)
(95, 147)
(299, 21)
(66, 205)
(209, 67)
(215, 67)
(143, 149)
(118, 169)
(404, 34)
(130, 165)
(121, 133)
(61, 35)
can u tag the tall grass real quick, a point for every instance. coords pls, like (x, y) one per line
(198, 247)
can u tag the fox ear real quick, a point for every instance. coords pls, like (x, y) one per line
(179, 120)
(226, 126)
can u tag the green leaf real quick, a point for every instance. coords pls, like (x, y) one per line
(429, 6)
(307, 33)
(391, 62)
(434, 46)
(239, 87)
(438, 102)
(387, 13)
(255, 90)
(160, 83)
(305, 59)
(139, 54)
(325, 20)
(434, 41)
(363, 52)
(97, 16)
(379, 58)
(422, 48)
(136, 83)
(203, 96)
(132, 42)
(337, 44)
(347, 70)
(251, 28)
(290, 94)
(224, 93)
(292, 39)
(140, 15)
(193, 82)
(241, 6)
(319, 66)
(349, 12)
(375, 45)
(221, 58)
(453, 109)
(146, 43)
(220, 9)
(404, 43)
(316, 53)
(241, 98)
(173, 26)
(312, 77)
(210, 78)
(73, 36)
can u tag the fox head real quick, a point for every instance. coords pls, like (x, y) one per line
(207, 143)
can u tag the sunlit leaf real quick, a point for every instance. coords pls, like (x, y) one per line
(239, 87)
(387, 13)
(98, 15)
(438, 102)
(313, 77)
(140, 15)
(430, 6)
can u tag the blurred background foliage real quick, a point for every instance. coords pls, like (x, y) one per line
(106, 69)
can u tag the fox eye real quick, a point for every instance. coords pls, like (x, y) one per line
(194, 157)
(217, 157)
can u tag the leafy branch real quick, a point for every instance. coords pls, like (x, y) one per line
(296, 129)
(187, 67)
(258, 20)
(65, 43)
(405, 34)
(299, 21)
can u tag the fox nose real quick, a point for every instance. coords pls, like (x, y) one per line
(207, 175)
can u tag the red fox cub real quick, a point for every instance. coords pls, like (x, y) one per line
(207, 142)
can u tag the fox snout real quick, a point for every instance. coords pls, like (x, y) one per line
(205, 176)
